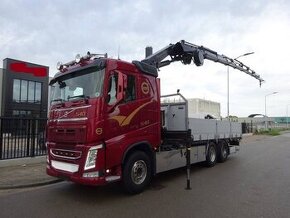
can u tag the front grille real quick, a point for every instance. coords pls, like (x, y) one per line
(62, 134)
(66, 154)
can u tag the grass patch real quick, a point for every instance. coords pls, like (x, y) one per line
(271, 132)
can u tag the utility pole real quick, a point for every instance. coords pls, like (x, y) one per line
(228, 83)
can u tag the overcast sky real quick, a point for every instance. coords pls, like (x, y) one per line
(46, 32)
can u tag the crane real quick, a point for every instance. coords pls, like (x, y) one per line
(186, 53)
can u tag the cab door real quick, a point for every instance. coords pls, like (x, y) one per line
(122, 119)
(122, 103)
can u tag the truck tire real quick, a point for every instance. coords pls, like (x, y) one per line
(222, 152)
(137, 172)
(211, 156)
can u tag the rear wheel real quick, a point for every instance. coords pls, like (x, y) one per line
(137, 172)
(211, 156)
(222, 151)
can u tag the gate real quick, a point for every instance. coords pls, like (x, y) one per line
(22, 137)
(248, 127)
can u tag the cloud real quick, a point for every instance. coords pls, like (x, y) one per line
(46, 32)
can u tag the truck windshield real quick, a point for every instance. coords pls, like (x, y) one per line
(80, 84)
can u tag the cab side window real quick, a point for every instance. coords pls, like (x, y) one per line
(112, 91)
(130, 94)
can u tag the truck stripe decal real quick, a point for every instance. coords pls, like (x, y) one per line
(123, 120)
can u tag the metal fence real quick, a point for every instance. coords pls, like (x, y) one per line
(22, 137)
(248, 127)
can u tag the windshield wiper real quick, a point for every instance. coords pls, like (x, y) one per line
(60, 103)
(61, 84)
(57, 99)
(78, 96)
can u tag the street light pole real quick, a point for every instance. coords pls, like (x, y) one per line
(266, 122)
(287, 115)
(228, 83)
(228, 92)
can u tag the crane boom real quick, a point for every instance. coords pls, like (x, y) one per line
(186, 52)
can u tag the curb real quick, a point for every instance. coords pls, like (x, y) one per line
(5, 187)
(247, 134)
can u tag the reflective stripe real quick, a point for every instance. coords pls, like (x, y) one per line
(68, 167)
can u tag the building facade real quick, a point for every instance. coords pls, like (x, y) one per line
(200, 108)
(24, 89)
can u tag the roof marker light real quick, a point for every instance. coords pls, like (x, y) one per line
(59, 65)
(78, 58)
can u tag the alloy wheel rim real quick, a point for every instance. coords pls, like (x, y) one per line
(139, 172)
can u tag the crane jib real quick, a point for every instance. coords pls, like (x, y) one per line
(186, 53)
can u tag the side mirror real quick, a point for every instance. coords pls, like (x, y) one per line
(122, 86)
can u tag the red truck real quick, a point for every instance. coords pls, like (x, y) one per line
(107, 123)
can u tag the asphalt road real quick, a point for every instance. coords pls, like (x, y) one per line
(253, 183)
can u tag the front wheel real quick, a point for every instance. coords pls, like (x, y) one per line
(137, 172)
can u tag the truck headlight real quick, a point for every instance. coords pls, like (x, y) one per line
(91, 157)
